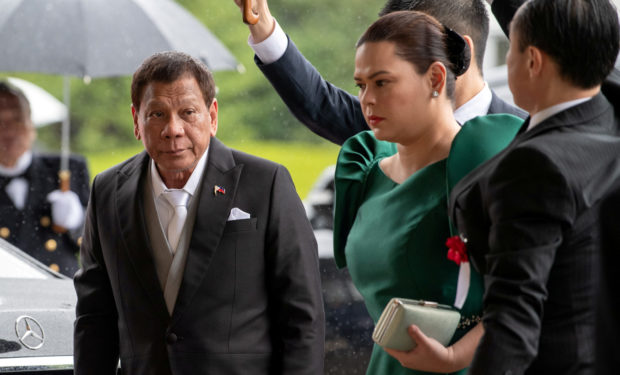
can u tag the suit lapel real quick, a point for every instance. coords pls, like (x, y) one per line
(211, 216)
(130, 184)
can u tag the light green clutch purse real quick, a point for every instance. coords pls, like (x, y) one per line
(435, 320)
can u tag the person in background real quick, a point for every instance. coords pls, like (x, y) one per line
(35, 215)
(197, 258)
(333, 113)
(530, 216)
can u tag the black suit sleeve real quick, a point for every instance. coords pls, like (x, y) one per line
(608, 326)
(328, 111)
(293, 282)
(95, 340)
(529, 204)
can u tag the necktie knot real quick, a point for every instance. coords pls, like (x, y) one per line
(178, 198)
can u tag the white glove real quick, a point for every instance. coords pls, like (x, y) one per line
(67, 210)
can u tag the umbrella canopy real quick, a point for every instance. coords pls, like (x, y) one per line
(45, 108)
(100, 38)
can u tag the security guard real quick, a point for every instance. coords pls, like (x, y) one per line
(34, 215)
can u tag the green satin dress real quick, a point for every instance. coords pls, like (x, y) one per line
(392, 236)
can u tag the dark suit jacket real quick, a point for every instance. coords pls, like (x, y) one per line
(325, 109)
(530, 219)
(30, 229)
(250, 299)
(608, 327)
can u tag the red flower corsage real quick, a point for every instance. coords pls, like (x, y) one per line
(457, 252)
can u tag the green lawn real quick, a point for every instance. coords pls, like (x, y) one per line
(305, 161)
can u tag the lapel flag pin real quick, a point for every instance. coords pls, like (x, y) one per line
(218, 189)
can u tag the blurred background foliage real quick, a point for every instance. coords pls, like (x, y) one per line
(249, 109)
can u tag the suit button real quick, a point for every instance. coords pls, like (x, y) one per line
(51, 245)
(172, 338)
(45, 221)
(5, 232)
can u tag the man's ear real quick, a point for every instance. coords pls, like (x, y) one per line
(213, 117)
(472, 50)
(136, 129)
(437, 76)
(535, 61)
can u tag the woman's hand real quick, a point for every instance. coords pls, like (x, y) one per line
(428, 355)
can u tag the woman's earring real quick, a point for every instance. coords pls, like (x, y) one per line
(435, 93)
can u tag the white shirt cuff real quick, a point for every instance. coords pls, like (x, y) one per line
(272, 48)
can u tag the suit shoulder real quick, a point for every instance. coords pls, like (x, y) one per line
(498, 105)
(263, 164)
(122, 167)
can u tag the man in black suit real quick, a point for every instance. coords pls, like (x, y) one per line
(34, 214)
(223, 280)
(335, 114)
(529, 216)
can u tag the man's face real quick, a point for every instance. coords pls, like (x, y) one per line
(16, 130)
(175, 126)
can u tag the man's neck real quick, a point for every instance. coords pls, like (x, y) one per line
(561, 92)
(17, 166)
(468, 86)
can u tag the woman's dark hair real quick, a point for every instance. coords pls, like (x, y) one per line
(167, 67)
(581, 36)
(422, 40)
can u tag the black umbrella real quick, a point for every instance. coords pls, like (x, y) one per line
(99, 38)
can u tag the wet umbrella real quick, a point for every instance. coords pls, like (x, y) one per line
(99, 38)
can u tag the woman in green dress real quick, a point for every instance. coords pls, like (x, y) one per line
(391, 222)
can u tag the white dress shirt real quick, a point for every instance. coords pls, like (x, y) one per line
(274, 47)
(165, 211)
(17, 189)
(541, 116)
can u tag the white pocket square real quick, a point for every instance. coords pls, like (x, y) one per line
(237, 214)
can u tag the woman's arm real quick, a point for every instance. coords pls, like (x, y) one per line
(430, 355)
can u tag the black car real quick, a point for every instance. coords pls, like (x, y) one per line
(37, 310)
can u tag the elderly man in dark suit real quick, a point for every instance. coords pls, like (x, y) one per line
(35, 215)
(197, 258)
(529, 216)
(336, 115)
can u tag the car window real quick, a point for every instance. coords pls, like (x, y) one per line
(12, 265)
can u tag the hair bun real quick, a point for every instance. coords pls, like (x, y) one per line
(459, 52)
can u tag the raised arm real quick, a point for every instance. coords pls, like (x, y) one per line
(325, 109)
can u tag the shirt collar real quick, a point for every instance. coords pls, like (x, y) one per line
(190, 186)
(20, 167)
(541, 116)
(474, 107)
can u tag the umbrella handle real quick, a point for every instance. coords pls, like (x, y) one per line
(249, 17)
(65, 180)
(65, 185)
